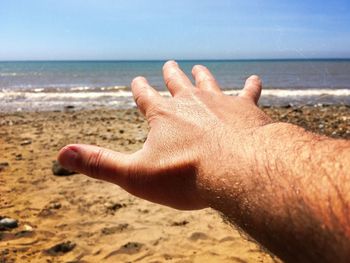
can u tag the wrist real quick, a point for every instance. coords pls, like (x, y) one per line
(232, 165)
(285, 149)
(255, 160)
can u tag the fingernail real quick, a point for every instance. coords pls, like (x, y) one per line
(138, 78)
(69, 159)
(171, 62)
(197, 67)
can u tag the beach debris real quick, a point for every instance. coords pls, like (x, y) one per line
(59, 170)
(26, 142)
(7, 223)
(60, 248)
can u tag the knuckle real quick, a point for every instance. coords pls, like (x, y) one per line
(137, 177)
(171, 80)
(156, 110)
(175, 85)
(94, 163)
(206, 81)
(206, 78)
(138, 97)
(197, 92)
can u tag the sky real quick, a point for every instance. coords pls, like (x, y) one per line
(181, 29)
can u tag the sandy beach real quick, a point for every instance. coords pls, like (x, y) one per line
(79, 219)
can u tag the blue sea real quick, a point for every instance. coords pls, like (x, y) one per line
(52, 85)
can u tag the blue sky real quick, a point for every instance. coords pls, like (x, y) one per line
(160, 29)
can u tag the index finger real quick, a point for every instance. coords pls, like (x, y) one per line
(175, 79)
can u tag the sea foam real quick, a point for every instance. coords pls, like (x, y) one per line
(39, 99)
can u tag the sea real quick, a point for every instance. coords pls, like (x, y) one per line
(58, 85)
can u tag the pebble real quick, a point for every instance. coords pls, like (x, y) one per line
(19, 157)
(8, 223)
(115, 229)
(69, 107)
(61, 248)
(3, 166)
(26, 142)
(28, 228)
(197, 236)
(130, 248)
(59, 170)
(180, 223)
(114, 206)
(55, 205)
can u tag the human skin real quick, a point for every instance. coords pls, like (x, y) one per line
(285, 187)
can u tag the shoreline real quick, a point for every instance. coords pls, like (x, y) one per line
(122, 98)
(102, 221)
(321, 118)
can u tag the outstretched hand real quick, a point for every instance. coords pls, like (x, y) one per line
(284, 186)
(193, 136)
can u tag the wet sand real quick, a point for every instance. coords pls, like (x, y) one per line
(79, 219)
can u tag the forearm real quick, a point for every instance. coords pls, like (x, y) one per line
(296, 196)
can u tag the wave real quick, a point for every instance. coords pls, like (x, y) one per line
(121, 97)
(19, 74)
(8, 74)
(299, 92)
(122, 91)
(61, 88)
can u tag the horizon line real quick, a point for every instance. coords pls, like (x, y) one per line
(163, 60)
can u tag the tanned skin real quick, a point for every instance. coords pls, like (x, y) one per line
(287, 188)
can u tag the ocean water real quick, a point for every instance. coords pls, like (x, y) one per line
(41, 86)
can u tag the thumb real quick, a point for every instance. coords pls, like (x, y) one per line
(252, 89)
(96, 162)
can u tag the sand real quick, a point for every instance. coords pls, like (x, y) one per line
(79, 219)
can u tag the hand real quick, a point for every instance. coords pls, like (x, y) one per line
(194, 137)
